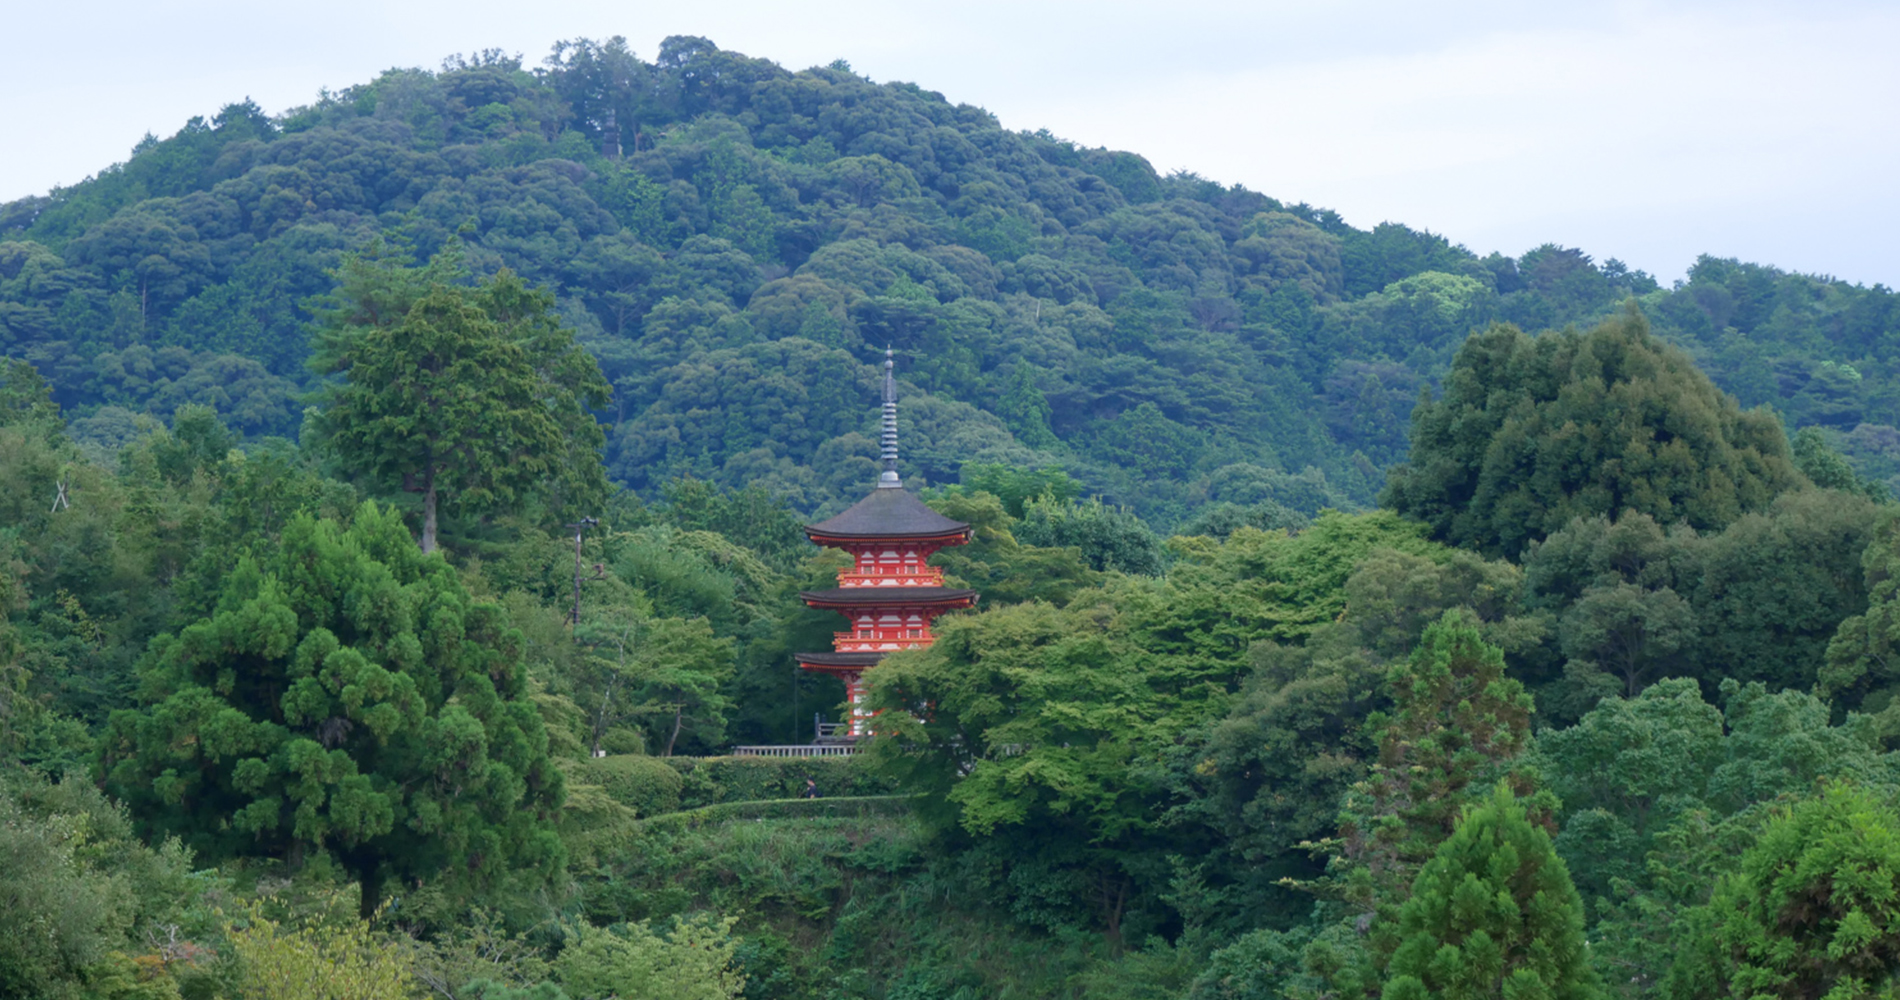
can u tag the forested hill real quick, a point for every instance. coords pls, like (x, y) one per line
(735, 242)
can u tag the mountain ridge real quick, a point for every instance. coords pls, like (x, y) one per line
(732, 239)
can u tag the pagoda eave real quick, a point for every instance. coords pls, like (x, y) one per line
(889, 597)
(839, 663)
(842, 539)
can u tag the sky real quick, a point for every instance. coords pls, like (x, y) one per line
(1650, 132)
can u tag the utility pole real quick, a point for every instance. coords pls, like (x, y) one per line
(579, 526)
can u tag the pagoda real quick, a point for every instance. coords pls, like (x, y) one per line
(889, 594)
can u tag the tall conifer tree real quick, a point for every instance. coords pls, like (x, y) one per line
(1493, 914)
(475, 398)
(347, 695)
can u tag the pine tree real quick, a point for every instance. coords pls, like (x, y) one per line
(1493, 914)
(1456, 720)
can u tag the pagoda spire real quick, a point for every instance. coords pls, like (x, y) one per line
(888, 480)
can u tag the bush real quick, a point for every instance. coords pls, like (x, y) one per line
(334, 959)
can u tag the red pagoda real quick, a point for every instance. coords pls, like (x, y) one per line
(889, 595)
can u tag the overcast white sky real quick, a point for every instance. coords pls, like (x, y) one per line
(1650, 132)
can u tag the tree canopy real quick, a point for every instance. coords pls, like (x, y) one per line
(470, 397)
(346, 696)
(605, 332)
(1531, 432)
(1053, 305)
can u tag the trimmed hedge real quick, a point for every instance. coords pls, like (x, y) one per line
(837, 808)
(712, 780)
(641, 783)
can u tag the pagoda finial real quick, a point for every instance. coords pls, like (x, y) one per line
(888, 480)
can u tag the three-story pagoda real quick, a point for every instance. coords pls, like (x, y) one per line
(889, 595)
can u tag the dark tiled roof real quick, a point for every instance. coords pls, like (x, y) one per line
(887, 597)
(840, 659)
(887, 513)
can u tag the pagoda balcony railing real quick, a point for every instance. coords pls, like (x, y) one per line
(927, 578)
(884, 635)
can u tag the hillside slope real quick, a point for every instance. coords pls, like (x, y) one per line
(735, 242)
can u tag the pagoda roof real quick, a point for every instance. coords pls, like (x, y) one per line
(865, 659)
(889, 512)
(889, 597)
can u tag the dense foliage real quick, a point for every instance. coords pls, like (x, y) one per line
(345, 696)
(733, 240)
(400, 509)
(1534, 431)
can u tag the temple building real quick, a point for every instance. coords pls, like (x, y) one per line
(889, 595)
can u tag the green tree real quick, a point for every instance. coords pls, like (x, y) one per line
(1830, 470)
(1267, 780)
(1861, 669)
(1759, 600)
(1625, 631)
(679, 668)
(1810, 909)
(1057, 735)
(1492, 914)
(78, 886)
(25, 397)
(1029, 727)
(1625, 771)
(1534, 431)
(474, 398)
(197, 442)
(1776, 586)
(1017, 486)
(1662, 792)
(346, 695)
(693, 961)
(1110, 538)
(326, 959)
(1026, 410)
(999, 567)
(1456, 721)
(1219, 519)
(750, 516)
